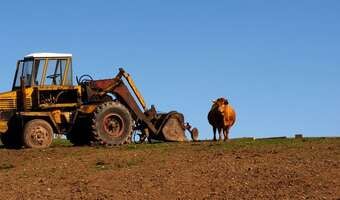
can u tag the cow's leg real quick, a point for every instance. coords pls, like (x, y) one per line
(220, 134)
(214, 129)
(226, 134)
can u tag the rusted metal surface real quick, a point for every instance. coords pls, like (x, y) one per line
(56, 114)
(174, 129)
(168, 127)
(119, 89)
(194, 133)
(88, 109)
(113, 124)
(124, 95)
(103, 85)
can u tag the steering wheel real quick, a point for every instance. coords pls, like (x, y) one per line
(84, 78)
(53, 76)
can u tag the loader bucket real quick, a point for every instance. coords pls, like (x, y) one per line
(173, 129)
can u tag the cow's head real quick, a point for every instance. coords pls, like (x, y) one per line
(221, 103)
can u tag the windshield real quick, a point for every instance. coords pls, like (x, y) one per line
(24, 70)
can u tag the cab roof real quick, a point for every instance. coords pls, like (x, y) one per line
(48, 55)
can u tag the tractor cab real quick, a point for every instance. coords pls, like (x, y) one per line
(45, 81)
(44, 69)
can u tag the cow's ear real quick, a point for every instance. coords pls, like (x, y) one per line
(226, 102)
(213, 101)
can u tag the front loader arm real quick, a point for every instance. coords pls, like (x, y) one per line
(116, 81)
(134, 88)
(161, 126)
(124, 95)
(117, 87)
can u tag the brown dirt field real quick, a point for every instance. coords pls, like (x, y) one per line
(271, 169)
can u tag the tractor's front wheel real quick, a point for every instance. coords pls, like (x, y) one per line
(38, 133)
(112, 124)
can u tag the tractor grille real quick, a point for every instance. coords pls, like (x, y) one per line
(11, 104)
(8, 104)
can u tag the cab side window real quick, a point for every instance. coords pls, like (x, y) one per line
(24, 71)
(19, 74)
(27, 72)
(39, 67)
(55, 71)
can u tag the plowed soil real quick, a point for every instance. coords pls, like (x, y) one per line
(266, 169)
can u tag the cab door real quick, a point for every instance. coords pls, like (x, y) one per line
(53, 84)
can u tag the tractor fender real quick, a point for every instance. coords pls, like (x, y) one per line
(27, 116)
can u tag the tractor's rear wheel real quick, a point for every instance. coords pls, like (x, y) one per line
(38, 133)
(112, 124)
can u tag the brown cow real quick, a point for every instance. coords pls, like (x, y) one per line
(221, 117)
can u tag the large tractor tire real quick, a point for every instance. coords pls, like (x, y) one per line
(112, 124)
(37, 134)
(81, 133)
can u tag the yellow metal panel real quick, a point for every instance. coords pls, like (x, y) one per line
(8, 100)
(135, 90)
(3, 126)
(44, 73)
(58, 87)
(65, 77)
(56, 114)
(60, 105)
(88, 108)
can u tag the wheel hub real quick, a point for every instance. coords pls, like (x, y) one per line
(113, 125)
(39, 135)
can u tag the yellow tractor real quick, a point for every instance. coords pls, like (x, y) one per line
(44, 101)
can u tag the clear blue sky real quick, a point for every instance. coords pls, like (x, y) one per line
(276, 61)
